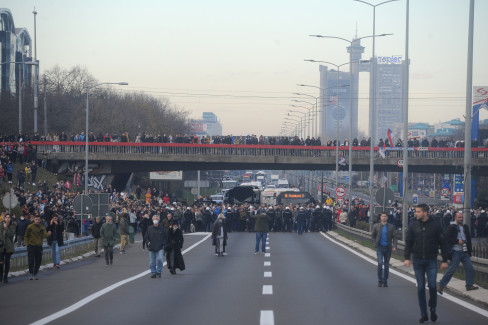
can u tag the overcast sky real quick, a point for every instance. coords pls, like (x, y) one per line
(244, 59)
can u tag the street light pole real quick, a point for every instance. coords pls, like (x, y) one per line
(468, 120)
(87, 124)
(372, 114)
(36, 75)
(405, 127)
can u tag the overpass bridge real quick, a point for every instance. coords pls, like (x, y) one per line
(139, 157)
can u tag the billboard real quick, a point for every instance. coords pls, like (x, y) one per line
(198, 127)
(480, 95)
(166, 175)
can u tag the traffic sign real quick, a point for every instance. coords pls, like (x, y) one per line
(10, 200)
(400, 162)
(384, 196)
(445, 191)
(322, 187)
(340, 201)
(82, 204)
(415, 199)
(340, 191)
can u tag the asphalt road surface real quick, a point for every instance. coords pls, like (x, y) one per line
(305, 280)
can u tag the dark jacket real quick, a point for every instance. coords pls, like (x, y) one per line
(58, 230)
(424, 239)
(391, 235)
(262, 222)
(156, 237)
(108, 233)
(174, 258)
(95, 230)
(124, 224)
(451, 237)
(7, 235)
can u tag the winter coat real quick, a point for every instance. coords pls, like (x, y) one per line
(35, 234)
(7, 235)
(58, 229)
(390, 234)
(174, 245)
(424, 239)
(156, 238)
(95, 230)
(262, 222)
(108, 233)
(21, 227)
(124, 224)
(451, 237)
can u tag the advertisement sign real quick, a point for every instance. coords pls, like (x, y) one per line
(480, 95)
(166, 175)
(394, 59)
(198, 127)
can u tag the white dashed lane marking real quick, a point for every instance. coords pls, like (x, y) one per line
(267, 289)
(267, 317)
(267, 263)
(268, 274)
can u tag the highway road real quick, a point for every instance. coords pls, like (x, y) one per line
(305, 279)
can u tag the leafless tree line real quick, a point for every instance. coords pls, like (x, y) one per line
(111, 110)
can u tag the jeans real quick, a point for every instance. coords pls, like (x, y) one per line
(97, 242)
(34, 257)
(422, 267)
(109, 254)
(383, 253)
(156, 261)
(261, 236)
(301, 226)
(458, 257)
(55, 252)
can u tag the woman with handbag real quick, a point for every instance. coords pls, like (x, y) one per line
(7, 233)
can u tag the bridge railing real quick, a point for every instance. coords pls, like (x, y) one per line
(132, 148)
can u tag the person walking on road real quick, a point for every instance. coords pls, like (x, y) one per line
(261, 227)
(56, 240)
(174, 258)
(97, 240)
(7, 232)
(34, 236)
(156, 238)
(385, 241)
(124, 230)
(423, 239)
(108, 233)
(459, 240)
(219, 236)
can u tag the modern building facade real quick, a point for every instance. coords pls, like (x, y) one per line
(208, 125)
(15, 48)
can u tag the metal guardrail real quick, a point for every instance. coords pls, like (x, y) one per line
(70, 247)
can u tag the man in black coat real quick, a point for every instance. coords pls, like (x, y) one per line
(56, 227)
(97, 241)
(459, 240)
(156, 237)
(424, 237)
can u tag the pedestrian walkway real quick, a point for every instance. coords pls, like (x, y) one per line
(455, 286)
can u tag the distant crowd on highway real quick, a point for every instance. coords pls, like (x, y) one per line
(250, 139)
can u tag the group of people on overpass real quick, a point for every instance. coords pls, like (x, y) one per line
(251, 139)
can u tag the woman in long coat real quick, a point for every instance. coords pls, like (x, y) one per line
(174, 258)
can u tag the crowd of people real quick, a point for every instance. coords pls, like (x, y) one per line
(250, 139)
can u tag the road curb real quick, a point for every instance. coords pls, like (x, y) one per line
(455, 286)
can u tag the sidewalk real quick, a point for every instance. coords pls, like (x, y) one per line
(455, 286)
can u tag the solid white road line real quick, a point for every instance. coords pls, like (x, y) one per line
(413, 280)
(267, 289)
(267, 317)
(100, 293)
(267, 263)
(268, 274)
(267, 254)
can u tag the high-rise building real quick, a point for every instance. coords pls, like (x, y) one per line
(208, 125)
(339, 97)
(15, 46)
(389, 96)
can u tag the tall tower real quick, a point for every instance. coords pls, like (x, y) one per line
(355, 52)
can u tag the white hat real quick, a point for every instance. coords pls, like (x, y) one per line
(208, 208)
(482, 211)
(188, 208)
(317, 207)
(288, 208)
